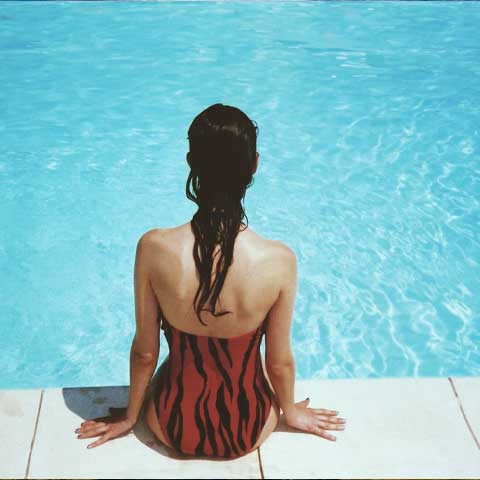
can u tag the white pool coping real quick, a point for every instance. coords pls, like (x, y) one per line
(425, 427)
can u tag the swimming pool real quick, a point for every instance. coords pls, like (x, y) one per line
(369, 169)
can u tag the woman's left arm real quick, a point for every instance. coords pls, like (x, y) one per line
(143, 352)
(146, 343)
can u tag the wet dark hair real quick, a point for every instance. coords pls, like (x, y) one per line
(223, 146)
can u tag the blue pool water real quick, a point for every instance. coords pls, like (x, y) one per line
(369, 169)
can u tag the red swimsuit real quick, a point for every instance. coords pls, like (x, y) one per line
(212, 397)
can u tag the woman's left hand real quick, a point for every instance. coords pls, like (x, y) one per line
(109, 427)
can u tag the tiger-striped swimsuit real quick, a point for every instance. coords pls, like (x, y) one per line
(212, 397)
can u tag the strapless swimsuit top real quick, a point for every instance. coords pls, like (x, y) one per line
(212, 397)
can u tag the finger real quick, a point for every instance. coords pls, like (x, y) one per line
(102, 420)
(321, 433)
(91, 423)
(88, 426)
(335, 421)
(324, 411)
(94, 432)
(330, 426)
(100, 441)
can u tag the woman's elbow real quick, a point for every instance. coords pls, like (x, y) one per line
(279, 367)
(144, 356)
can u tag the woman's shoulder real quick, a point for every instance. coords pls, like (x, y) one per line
(154, 236)
(159, 243)
(169, 239)
(164, 235)
(275, 249)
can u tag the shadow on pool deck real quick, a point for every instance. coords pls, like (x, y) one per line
(396, 428)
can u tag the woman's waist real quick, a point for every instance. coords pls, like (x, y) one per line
(229, 380)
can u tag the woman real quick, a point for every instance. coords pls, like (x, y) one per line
(215, 287)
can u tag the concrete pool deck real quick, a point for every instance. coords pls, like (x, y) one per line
(425, 427)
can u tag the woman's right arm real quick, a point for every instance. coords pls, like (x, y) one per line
(279, 360)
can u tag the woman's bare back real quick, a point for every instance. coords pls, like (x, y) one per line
(251, 286)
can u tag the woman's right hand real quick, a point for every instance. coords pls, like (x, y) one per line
(314, 420)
